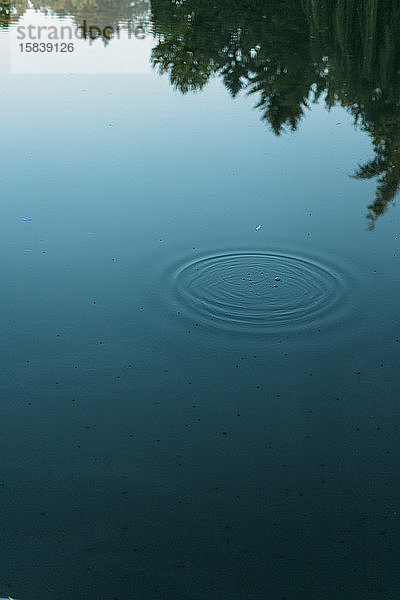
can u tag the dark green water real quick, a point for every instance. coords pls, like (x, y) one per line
(200, 330)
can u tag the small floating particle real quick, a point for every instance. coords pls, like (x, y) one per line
(258, 227)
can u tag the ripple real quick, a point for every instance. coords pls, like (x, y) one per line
(260, 292)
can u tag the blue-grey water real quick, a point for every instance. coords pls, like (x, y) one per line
(199, 345)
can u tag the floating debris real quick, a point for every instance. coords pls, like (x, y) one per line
(258, 227)
(25, 219)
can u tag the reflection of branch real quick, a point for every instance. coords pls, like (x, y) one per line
(388, 184)
(187, 72)
(387, 189)
(373, 168)
(282, 104)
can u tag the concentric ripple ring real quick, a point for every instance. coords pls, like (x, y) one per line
(260, 291)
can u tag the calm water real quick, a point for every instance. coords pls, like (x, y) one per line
(200, 330)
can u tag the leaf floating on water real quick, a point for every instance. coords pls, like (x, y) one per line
(258, 227)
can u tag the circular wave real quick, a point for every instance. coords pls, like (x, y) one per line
(259, 291)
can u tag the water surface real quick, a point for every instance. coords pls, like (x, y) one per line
(173, 425)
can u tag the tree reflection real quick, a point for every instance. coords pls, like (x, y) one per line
(361, 43)
(99, 13)
(290, 53)
(285, 53)
(10, 12)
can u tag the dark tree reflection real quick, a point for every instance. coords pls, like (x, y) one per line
(289, 53)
